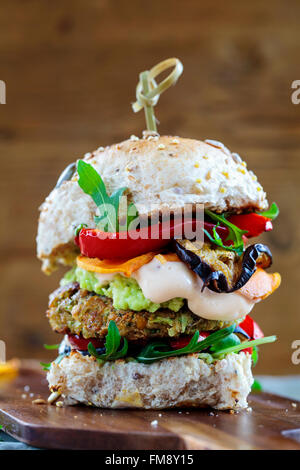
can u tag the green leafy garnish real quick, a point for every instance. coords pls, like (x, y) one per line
(245, 345)
(92, 184)
(218, 344)
(235, 234)
(214, 347)
(272, 212)
(227, 342)
(112, 345)
(152, 353)
(51, 346)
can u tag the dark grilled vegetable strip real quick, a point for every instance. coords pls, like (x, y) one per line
(211, 275)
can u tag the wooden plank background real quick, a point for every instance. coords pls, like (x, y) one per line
(71, 69)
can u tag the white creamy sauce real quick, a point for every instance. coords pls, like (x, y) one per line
(164, 281)
(160, 282)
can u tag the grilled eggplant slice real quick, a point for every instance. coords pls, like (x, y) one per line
(223, 270)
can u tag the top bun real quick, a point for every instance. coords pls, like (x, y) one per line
(161, 173)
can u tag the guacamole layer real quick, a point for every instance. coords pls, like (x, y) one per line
(124, 292)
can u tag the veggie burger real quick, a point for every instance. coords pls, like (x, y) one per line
(151, 316)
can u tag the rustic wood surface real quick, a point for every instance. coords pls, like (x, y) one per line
(273, 423)
(71, 69)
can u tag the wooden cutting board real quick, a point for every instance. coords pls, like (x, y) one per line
(273, 423)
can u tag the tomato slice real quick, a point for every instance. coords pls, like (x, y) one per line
(179, 343)
(251, 328)
(78, 342)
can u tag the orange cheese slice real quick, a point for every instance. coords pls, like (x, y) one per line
(260, 285)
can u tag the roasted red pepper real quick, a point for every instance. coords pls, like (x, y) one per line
(125, 245)
(103, 245)
(255, 224)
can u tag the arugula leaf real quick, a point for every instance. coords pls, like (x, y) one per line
(245, 345)
(272, 212)
(152, 352)
(112, 340)
(92, 184)
(112, 344)
(214, 347)
(51, 346)
(229, 341)
(235, 234)
(46, 365)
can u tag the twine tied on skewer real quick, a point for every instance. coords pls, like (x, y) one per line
(148, 91)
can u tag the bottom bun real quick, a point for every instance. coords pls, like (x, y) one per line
(175, 382)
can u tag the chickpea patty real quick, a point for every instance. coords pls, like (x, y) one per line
(78, 311)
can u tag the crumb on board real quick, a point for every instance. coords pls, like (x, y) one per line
(39, 401)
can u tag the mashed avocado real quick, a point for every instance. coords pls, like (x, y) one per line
(125, 292)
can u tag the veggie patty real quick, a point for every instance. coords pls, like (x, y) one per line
(79, 311)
